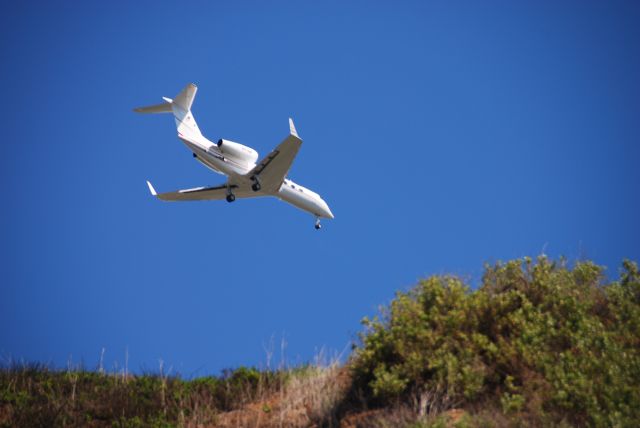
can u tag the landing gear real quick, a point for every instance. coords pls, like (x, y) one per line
(230, 196)
(256, 184)
(318, 226)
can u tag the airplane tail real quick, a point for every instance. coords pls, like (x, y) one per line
(180, 106)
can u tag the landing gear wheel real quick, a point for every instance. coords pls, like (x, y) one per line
(231, 197)
(318, 226)
(256, 183)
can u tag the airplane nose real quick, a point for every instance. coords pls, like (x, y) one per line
(328, 212)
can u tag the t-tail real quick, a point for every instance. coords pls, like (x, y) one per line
(180, 106)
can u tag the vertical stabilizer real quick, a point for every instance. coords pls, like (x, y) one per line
(181, 105)
(181, 108)
(185, 98)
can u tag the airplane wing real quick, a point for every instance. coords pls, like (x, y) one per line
(201, 193)
(273, 168)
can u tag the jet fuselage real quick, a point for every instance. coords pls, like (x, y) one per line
(208, 153)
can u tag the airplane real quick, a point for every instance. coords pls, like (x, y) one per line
(246, 178)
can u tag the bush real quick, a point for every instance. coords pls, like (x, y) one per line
(540, 340)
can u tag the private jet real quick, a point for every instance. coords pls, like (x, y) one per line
(246, 178)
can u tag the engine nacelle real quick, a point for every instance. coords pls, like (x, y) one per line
(237, 151)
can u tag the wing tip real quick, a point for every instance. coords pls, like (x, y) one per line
(292, 129)
(151, 189)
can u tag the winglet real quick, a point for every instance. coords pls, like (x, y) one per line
(151, 189)
(292, 128)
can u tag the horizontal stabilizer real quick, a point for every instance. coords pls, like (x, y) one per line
(184, 100)
(157, 108)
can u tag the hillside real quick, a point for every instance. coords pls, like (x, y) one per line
(538, 343)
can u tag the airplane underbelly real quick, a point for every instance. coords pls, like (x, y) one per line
(298, 200)
(212, 166)
(220, 165)
(215, 161)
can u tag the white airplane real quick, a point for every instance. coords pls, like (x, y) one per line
(246, 178)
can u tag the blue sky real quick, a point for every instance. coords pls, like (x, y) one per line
(442, 134)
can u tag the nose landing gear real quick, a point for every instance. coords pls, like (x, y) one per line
(318, 226)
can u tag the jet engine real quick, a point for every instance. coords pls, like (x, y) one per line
(237, 151)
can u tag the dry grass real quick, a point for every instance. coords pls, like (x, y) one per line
(306, 396)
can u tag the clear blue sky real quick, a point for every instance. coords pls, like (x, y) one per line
(442, 134)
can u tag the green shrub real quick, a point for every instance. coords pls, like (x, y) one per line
(552, 341)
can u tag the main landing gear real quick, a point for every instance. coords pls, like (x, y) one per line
(256, 184)
(230, 196)
(318, 226)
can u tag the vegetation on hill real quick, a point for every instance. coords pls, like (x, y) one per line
(536, 344)
(36, 396)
